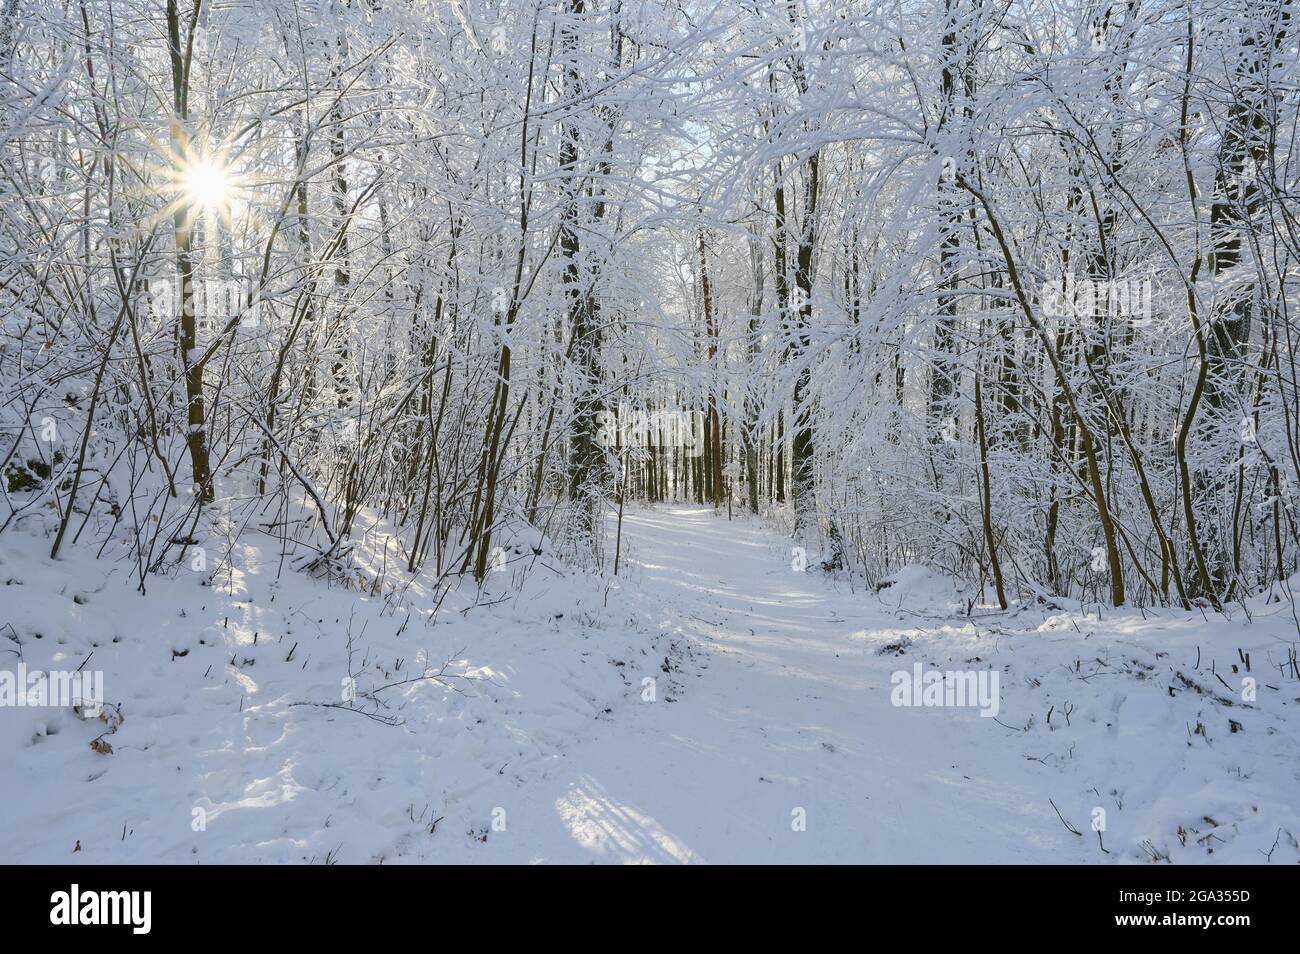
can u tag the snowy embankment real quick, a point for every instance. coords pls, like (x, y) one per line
(709, 705)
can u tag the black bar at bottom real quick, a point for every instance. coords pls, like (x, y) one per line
(219, 904)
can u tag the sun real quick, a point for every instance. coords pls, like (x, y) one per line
(207, 183)
(198, 178)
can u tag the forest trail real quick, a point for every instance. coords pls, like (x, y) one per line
(781, 708)
(772, 705)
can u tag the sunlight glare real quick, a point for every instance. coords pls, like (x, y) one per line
(207, 184)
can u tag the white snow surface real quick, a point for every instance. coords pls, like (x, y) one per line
(772, 706)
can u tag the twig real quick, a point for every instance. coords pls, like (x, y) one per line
(1068, 827)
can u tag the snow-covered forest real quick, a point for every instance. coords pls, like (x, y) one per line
(511, 430)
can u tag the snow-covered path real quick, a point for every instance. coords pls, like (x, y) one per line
(771, 736)
(784, 713)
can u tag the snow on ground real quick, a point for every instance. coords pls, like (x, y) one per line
(770, 734)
